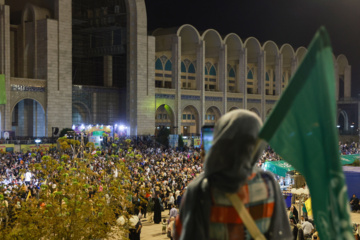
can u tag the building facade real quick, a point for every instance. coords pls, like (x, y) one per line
(199, 77)
(76, 61)
(93, 62)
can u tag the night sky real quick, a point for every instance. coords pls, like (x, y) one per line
(283, 21)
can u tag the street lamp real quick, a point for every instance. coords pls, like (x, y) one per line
(37, 141)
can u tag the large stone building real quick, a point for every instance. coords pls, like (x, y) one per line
(87, 62)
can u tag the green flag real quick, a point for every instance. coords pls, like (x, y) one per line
(302, 129)
(2, 89)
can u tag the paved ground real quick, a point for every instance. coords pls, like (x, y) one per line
(151, 231)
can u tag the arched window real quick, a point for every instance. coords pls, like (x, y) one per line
(231, 79)
(163, 74)
(158, 64)
(183, 68)
(168, 66)
(212, 71)
(250, 75)
(250, 82)
(188, 75)
(210, 77)
(191, 68)
(232, 73)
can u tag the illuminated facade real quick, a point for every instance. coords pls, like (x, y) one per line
(200, 77)
(87, 62)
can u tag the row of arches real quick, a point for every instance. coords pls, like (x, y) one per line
(29, 118)
(190, 122)
(228, 62)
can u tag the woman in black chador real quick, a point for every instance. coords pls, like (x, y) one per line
(157, 210)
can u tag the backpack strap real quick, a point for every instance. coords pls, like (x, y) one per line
(245, 216)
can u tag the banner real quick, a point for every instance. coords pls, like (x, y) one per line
(308, 207)
(278, 167)
(32, 147)
(349, 159)
(197, 142)
(7, 147)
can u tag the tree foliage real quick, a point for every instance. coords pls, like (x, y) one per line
(180, 141)
(74, 201)
(65, 131)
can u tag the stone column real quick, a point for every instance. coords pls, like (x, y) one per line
(200, 81)
(243, 75)
(347, 81)
(108, 71)
(176, 81)
(35, 119)
(59, 67)
(5, 60)
(261, 81)
(140, 103)
(29, 117)
(223, 76)
(293, 66)
(278, 74)
(94, 107)
(22, 119)
(2, 119)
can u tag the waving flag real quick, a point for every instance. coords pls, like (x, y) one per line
(302, 129)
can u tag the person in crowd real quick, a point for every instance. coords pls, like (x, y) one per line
(150, 210)
(230, 179)
(300, 235)
(304, 210)
(171, 201)
(135, 231)
(157, 210)
(355, 231)
(170, 228)
(294, 228)
(173, 212)
(164, 225)
(354, 203)
(315, 236)
(294, 214)
(307, 227)
(28, 176)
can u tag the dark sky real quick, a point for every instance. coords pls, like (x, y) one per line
(283, 21)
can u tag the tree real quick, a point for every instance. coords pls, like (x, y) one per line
(163, 136)
(180, 142)
(65, 131)
(74, 201)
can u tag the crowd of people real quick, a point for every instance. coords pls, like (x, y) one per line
(348, 149)
(158, 178)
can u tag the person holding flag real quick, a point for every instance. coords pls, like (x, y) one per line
(233, 199)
